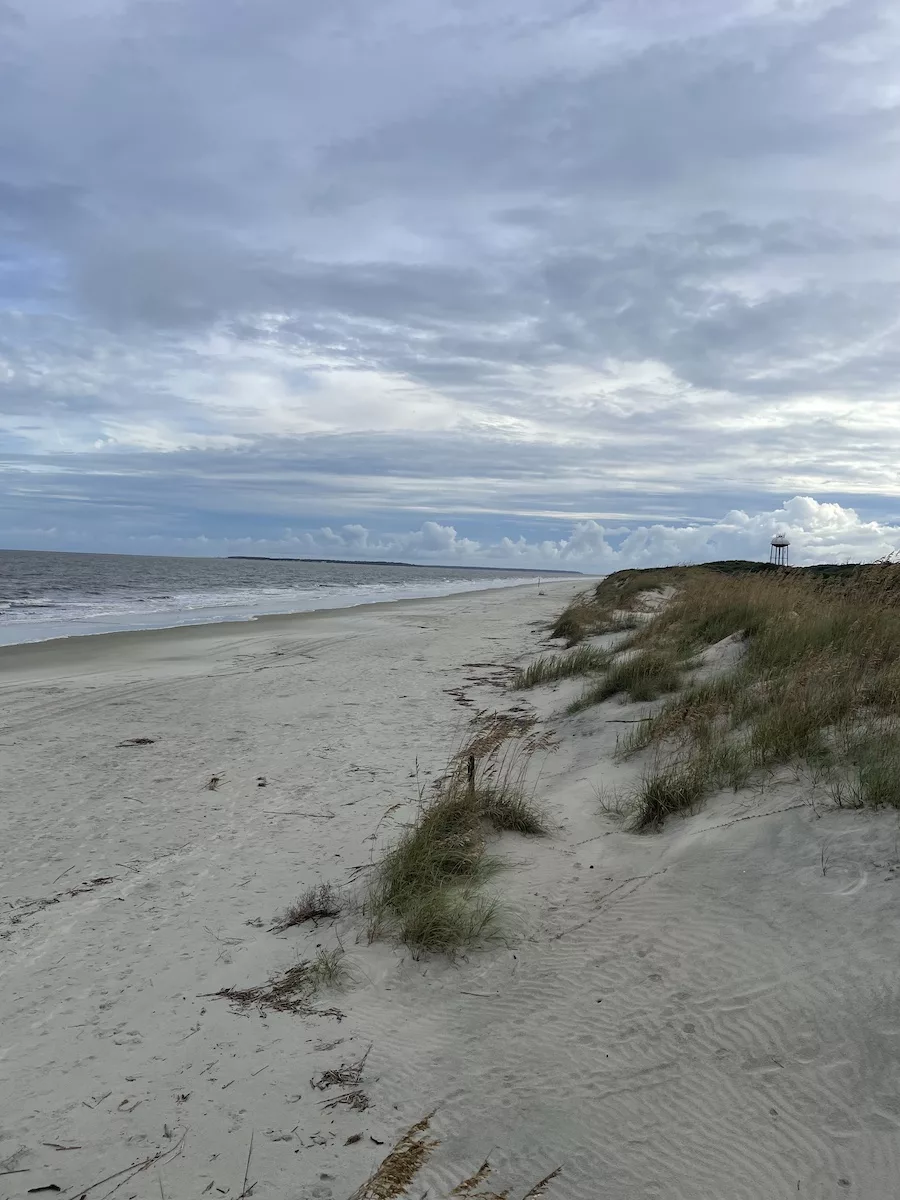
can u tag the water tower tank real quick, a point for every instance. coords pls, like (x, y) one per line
(778, 554)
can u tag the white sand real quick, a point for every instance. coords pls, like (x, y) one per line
(698, 1015)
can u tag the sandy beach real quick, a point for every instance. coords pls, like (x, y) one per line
(709, 1013)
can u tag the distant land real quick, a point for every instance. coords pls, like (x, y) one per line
(380, 562)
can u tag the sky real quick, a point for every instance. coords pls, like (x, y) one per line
(516, 282)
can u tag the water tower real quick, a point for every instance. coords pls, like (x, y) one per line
(778, 555)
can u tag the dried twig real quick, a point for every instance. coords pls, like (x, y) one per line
(247, 1168)
(346, 1074)
(134, 1169)
(357, 1100)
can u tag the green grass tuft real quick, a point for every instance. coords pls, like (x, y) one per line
(511, 812)
(328, 970)
(447, 921)
(551, 667)
(425, 892)
(642, 676)
(665, 790)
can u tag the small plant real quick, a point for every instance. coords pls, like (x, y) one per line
(672, 788)
(318, 903)
(328, 970)
(447, 921)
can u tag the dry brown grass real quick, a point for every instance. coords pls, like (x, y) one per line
(817, 685)
(395, 1175)
(318, 903)
(296, 990)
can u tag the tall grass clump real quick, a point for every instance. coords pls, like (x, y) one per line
(551, 667)
(674, 787)
(642, 676)
(426, 892)
(873, 778)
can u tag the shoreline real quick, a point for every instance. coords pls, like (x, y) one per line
(84, 645)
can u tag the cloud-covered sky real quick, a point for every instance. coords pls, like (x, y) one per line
(509, 280)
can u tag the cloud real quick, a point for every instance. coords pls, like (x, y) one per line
(818, 532)
(514, 263)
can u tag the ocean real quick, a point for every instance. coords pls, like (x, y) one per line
(49, 595)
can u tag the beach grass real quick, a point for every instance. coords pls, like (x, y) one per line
(427, 890)
(644, 675)
(815, 683)
(584, 660)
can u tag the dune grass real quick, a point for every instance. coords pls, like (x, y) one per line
(645, 675)
(816, 686)
(427, 890)
(551, 667)
(872, 775)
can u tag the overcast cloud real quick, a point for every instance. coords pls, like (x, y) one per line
(535, 282)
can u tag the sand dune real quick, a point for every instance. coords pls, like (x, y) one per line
(702, 1014)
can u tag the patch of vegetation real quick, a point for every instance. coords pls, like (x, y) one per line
(642, 676)
(318, 903)
(817, 680)
(672, 788)
(511, 812)
(874, 776)
(551, 667)
(426, 891)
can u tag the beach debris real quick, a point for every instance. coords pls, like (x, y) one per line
(296, 812)
(346, 1075)
(213, 783)
(261, 781)
(329, 1045)
(291, 992)
(540, 1188)
(244, 1190)
(29, 907)
(317, 903)
(356, 1099)
(138, 741)
(47, 1187)
(353, 1139)
(56, 1146)
(89, 884)
(130, 1172)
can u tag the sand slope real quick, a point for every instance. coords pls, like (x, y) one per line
(706, 1013)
